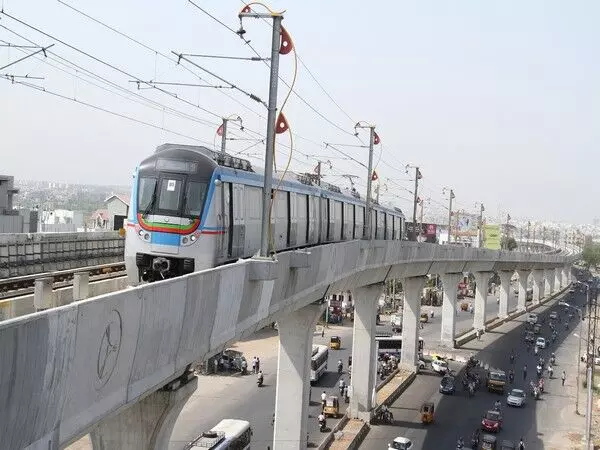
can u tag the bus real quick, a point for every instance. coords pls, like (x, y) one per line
(318, 361)
(392, 345)
(228, 434)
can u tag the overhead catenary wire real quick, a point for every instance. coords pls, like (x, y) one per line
(79, 71)
(107, 64)
(155, 51)
(100, 108)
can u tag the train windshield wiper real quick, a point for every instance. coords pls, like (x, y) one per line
(152, 202)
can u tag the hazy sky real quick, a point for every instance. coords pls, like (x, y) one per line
(498, 100)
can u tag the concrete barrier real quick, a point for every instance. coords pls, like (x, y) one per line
(330, 436)
(78, 364)
(398, 391)
(23, 305)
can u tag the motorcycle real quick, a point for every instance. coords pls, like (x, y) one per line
(471, 390)
(539, 371)
(552, 360)
(340, 367)
(541, 385)
(260, 381)
(322, 426)
(384, 416)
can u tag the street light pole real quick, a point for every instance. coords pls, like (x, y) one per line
(481, 210)
(450, 216)
(415, 201)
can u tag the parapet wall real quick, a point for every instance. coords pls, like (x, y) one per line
(32, 253)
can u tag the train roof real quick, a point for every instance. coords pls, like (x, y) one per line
(307, 179)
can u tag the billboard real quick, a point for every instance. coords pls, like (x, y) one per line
(465, 225)
(428, 232)
(492, 237)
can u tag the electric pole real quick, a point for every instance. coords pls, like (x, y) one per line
(271, 119)
(415, 199)
(481, 210)
(450, 215)
(373, 140)
(223, 130)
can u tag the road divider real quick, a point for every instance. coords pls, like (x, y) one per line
(349, 433)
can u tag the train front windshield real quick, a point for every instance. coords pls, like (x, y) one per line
(173, 195)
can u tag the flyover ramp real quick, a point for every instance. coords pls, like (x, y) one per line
(67, 368)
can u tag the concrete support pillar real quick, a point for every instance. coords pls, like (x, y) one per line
(413, 287)
(146, 425)
(522, 299)
(81, 285)
(505, 277)
(43, 296)
(481, 292)
(557, 279)
(293, 374)
(565, 278)
(364, 357)
(450, 282)
(538, 285)
(548, 282)
(568, 271)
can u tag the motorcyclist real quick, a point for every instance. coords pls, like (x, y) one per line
(550, 370)
(497, 405)
(539, 370)
(322, 421)
(541, 385)
(512, 358)
(460, 443)
(552, 359)
(340, 366)
(342, 385)
(521, 444)
(323, 399)
(260, 378)
(511, 376)
(535, 350)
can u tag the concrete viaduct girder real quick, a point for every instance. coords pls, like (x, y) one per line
(75, 365)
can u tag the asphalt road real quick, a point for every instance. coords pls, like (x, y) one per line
(457, 415)
(233, 396)
(221, 397)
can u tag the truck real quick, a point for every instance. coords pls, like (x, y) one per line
(396, 323)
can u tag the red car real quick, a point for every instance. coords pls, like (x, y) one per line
(492, 421)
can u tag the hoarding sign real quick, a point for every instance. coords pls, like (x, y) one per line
(491, 237)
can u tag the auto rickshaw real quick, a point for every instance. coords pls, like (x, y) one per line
(488, 442)
(464, 306)
(536, 328)
(427, 411)
(424, 318)
(332, 407)
(335, 343)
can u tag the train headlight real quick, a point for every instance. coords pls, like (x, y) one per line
(141, 232)
(192, 238)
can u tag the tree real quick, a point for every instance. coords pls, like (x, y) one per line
(591, 255)
(508, 243)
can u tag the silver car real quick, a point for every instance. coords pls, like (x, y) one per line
(516, 397)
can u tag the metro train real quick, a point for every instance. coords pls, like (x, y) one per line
(193, 208)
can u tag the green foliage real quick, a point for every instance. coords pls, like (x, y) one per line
(508, 243)
(591, 255)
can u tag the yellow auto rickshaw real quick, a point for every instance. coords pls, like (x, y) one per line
(424, 317)
(427, 411)
(335, 343)
(332, 407)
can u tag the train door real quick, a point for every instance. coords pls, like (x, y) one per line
(302, 216)
(314, 215)
(292, 232)
(279, 220)
(224, 222)
(238, 228)
(323, 218)
(359, 222)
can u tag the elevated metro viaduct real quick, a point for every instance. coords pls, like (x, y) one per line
(118, 365)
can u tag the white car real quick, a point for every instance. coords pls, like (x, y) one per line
(516, 398)
(440, 367)
(400, 443)
(532, 318)
(422, 364)
(540, 343)
(553, 315)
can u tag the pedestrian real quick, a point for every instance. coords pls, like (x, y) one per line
(254, 368)
(323, 399)
(521, 444)
(525, 372)
(563, 377)
(478, 334)
(257, 363)
(323, 331)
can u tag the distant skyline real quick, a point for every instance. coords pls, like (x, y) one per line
(499, 101)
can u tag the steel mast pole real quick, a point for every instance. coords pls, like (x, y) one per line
(271, 118)
(416, 197)
(450, 215)
(224, 134)
(368, 208)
